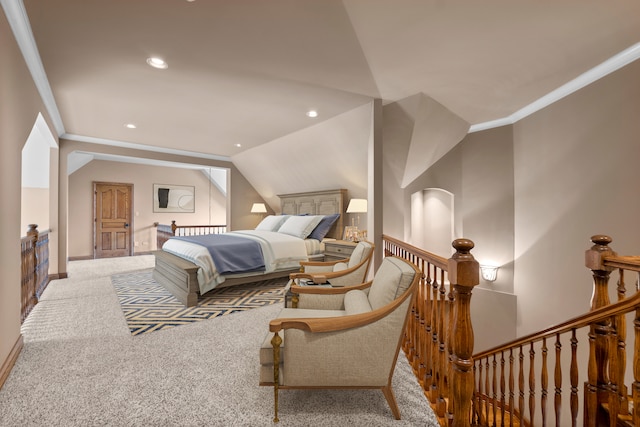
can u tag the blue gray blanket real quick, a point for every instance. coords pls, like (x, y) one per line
(230, 254)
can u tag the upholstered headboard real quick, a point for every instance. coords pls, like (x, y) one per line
(326, 202)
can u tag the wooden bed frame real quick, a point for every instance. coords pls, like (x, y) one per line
(180, 277)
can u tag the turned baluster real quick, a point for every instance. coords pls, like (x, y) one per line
(636, 371)
(557, 381)
(573, 377)
(620, 325)
(464, 275)
(428, 328)
(512, 384)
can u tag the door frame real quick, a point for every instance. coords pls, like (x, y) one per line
(95, 216)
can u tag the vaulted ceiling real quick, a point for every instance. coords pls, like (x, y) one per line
(245, 72)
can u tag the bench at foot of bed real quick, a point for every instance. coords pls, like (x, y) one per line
(178, 276)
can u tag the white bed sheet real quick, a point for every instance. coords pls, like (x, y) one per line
(281, 251)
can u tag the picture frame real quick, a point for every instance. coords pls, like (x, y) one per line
(174, 198)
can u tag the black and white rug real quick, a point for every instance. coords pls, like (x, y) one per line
(148, 307)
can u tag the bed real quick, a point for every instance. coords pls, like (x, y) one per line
(187, 270)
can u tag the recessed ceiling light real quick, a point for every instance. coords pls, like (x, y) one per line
(238, 145)
(312, 113)
(130, 126)
(156, 62)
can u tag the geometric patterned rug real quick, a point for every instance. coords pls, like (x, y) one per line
(148, 307)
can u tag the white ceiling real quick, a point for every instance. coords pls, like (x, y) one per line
(246, 71)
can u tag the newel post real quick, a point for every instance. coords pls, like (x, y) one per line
(598, 385)
(594, 260)
(464, 274)
(32, 234)
(173, 227)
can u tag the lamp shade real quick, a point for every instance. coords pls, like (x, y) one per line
(357, 206)
(258, 208)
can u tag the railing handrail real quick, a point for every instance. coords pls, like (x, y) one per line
(200, 226)
(434, 259)
(631, 263)
(582, 321)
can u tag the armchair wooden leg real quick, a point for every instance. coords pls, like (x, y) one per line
(275, 342)
(391, 400)
(294, 300)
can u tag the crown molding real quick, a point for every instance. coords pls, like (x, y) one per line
(612, 64)
(152, 148)
(19, 22)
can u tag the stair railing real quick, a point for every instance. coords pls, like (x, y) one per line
(34, 254)
(582, 362)
(439, 338)
(579, 372)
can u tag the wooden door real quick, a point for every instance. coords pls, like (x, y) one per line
(112, 219)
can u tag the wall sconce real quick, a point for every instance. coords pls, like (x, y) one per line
(489, 272)
(259, 208)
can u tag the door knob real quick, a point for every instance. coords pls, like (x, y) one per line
(126, 224)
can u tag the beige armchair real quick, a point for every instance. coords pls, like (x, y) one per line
(345, 272)
(348, 342)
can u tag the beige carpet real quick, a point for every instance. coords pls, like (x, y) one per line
(80, 366)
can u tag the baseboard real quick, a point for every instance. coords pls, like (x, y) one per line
(5, 370)
(58, 276)
(143, 253)
(80, 258)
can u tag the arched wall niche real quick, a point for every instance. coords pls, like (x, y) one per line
(432, 220)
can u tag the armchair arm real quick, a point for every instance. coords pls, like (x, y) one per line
(320, 297)
(319, 290)
(322, 277)
(320, 267)
(323, 263)
(333, 324)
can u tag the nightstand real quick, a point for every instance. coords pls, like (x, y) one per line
(338, 249)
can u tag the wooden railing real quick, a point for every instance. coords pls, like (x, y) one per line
(532, 380)
(34, 268)
(439, 338)
(164, 231)
(590, 377)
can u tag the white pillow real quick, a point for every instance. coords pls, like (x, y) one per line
(300, 225)
(272, 222)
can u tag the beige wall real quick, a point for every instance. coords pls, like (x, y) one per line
(210, 203)
(532, 194)
(576, 175)
(19, 107)
(479, 174)
(35, 208)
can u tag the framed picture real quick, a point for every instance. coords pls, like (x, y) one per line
(174, 198)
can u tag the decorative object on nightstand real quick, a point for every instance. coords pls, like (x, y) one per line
(352, 233)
